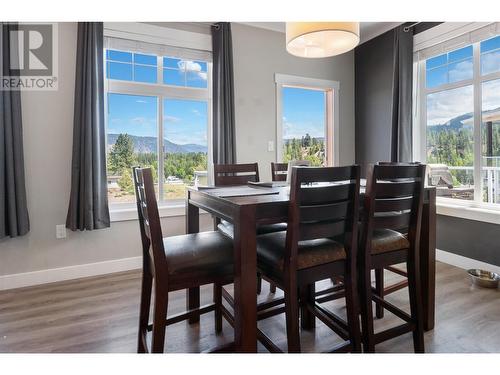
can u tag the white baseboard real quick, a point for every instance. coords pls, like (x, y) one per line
(463, 262)
(52, 275)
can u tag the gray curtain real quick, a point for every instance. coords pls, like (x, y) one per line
(224, 143)
(14, 220)
(88, 205)
(401, 145)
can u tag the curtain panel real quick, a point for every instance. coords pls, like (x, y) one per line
(401, 145)
(224, 142)
(14, 219)
(88, 205)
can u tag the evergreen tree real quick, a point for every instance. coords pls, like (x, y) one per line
(121, 156)
(125, 182)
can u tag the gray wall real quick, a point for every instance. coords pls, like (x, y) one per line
(258, 55)
(48, 127)
(469, 238)
(373, 67)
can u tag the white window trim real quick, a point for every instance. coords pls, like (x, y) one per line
(128, 211)
(471, 210)
(305, 82)
(158, 35)
(171, 37)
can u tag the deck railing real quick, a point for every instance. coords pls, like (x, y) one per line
(491, 181)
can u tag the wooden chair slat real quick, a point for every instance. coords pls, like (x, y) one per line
(279, 171)
(393, 204)
(327, 194)
(319, 174)
(325, 212)
(235, 168)
(236, 180)
(391, 171)
(324, 229)
(396, 189)
(396, 221)
(235, 174)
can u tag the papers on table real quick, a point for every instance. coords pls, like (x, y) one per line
(241, 191)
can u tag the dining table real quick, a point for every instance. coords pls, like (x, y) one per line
(249, 206)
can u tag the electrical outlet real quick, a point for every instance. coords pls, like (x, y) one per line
(270, 146)
(60, 231)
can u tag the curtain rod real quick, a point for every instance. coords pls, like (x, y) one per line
(407, 28)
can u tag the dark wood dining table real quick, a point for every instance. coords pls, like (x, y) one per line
(245, 210)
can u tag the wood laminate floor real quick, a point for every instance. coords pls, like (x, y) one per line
(100, 314)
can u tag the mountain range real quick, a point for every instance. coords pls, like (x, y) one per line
(461, 121)
(150, 144)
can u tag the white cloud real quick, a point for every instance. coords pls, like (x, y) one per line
(298, 130)
(182, 138)
(171, 118)
(445, 105)
(491, 95)
(189, 66)
(142, 121)
(140, 101)
(192, 66)
(116, 121)
(462, 70)
(490, 62)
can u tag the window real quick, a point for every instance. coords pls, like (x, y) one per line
(458, 115)
(306, 117)
(158, 116)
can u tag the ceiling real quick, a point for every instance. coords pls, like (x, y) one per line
(368, 30)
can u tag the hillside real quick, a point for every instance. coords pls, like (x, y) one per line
(149, 144)
(459, 122)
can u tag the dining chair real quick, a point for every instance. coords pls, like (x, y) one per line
(241, 174)
(175, 263)
(279, 171)
(390, 235)
(235, 174)
(380, 288)
(319, 243)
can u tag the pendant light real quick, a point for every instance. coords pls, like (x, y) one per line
(321, 39)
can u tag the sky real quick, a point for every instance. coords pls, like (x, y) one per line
(304, 112)
(184, 121)
(456, 66)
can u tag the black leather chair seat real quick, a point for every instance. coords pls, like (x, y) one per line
(228, 229)
(387, 240)
(204, 254)
(271, 251)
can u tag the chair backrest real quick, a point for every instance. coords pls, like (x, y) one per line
(324, 203)
(235, 174)
(393, 200)
(279, 171)
(149, 221)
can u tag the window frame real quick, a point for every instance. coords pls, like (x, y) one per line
(474, 209)
(332, 97)
(161, 91)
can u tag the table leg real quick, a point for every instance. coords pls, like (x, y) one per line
(428, 260)
(245, 286)
(192, 226)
